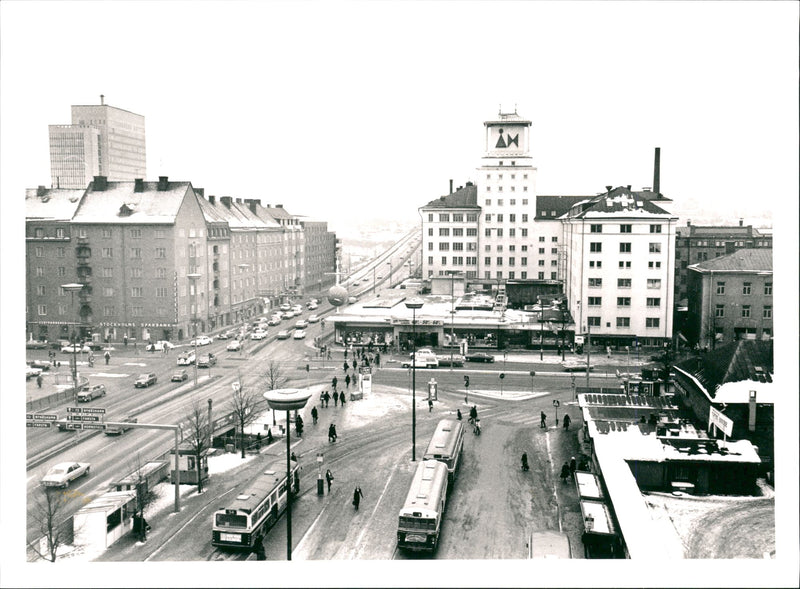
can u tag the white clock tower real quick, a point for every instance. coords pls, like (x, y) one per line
(507, 197)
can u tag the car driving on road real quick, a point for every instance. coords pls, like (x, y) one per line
(299, 334)
(313, 319)
(145, 380)
(65, 472)
(179, 375)
(206, 361)
(234, 346)
(186, 358)
(479, 357)
(92, 391)
(283, 334)
(203, 340)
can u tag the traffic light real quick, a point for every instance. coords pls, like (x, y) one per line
(466, 381)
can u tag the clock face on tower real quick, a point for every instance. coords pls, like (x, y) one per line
(507, 139)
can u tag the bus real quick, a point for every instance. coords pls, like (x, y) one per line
(446, 446)
(255, 509)
(420, 520)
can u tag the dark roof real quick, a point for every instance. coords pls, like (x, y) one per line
(622, 200)
(735, 362)
(559, 204)
(735, 231)
(743, 260)
(466, 197)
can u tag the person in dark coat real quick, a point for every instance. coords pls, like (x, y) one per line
(341, 399)
(355, 364)
(566, 422)
(430, 405)
(332, 433)
(573, 465)
(329, 478)
(335, 398)
(334, 382)
(107, 356)
(473, 413)
(347, 381)
(543, 420)
(458, 414)
(39, 380)
(525, 466)
(314, 414)
(345, 367)
(357, 496)
(298, 424)
(564, 472)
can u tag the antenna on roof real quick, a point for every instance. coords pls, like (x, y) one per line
(102, 96)
(515, 108)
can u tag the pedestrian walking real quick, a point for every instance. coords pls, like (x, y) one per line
(39, 380)
(378, 360)
(314, 414)
(345, 367)
(270, 439)
(357, 496)
(293, 456)
(473, 414)
(355, 365)
(298, 425)
(458, 414)
(334, 382)
(327, 399)
(335, 398)
(543, 420)
(341, 398)
(332, 433)
(345, 353)
(107, 356)
(347, 381)
(329, 354)
(566, 422)
(258, 441)
(525, 466)
(329, 479)
(430, 405)
(573, 465)
(564, 472)
(124, 340)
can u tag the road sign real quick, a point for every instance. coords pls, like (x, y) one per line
(96, 410)
(41, 416)
(74, 426)
(94, 426)
(38, 424)
(83, 418)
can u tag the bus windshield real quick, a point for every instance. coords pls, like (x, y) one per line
(417, 523)
(226, 520)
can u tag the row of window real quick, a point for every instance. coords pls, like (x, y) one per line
(747, 288)
(625, 264)
(500, 176)
(624, 301)
(499, 218)
(500, 189)
(108, 311)
(719, 311)
(622, 322)
(625, 247)
(457, 232)
(457, 217)
(624, 282)
(624, 228)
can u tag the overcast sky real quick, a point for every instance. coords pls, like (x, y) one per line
(368, 109)
(346, 111)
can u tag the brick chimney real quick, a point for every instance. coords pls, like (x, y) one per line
(608, 188)
(163, 183)
(451, 186)
(138, 185)
(212, 199)
(201, 192)
(252, 204)
(657, 172)
(100, 183)
(226, 200)
(239, 200)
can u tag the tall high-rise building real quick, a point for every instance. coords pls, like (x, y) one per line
(101, 141)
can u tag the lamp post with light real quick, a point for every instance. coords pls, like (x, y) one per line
(288, 399)
(414, 304)
(193, 278)
(541, 331)
(72, 288)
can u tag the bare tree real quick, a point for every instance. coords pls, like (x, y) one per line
(274, 378)
(198, 436)
(244, 406)
(49, 517)
(144, 494)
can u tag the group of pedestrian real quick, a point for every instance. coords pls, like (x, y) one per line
(568, 469)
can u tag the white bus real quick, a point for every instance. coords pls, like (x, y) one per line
(420, 521)
(255, 509)
(446, 446)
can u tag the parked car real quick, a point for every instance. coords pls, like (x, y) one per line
(283, 334)
(78, 348)
(234, 346)
(299, 334)
(203, 340)
(479, 357)
(91, 391)
(145, 379)
(576, 366)
(31, 372)
(115, 430)
(302, 324)
(33, 344)
(424, 359)
(159, 346)
(259, 334)
(179, 375)
(41, 364)
(186, 358)
(444, 360)
(206, 361)
(65, 472)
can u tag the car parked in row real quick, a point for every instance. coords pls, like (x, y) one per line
(159, 346)
(479, 357)
(76, 349)
(91, 392)
(62, 474)
(145, 380)
(445, 360)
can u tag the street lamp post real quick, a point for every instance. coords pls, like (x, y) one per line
(72, 288)
(541, 332)
(389, 263)
(414, 304)
(288, 400)
(193, 278)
